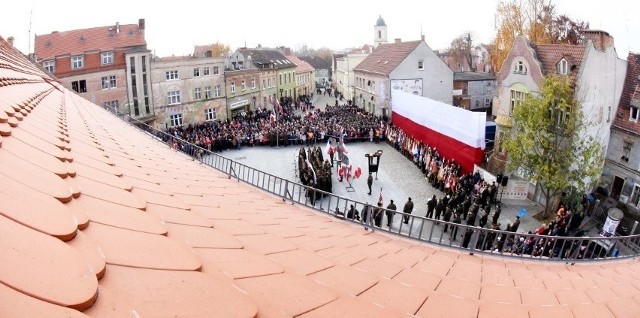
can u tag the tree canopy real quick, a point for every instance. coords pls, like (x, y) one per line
(547, 143)
(460, 52)
(537, 20)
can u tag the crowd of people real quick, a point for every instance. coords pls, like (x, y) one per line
(466, 198)
(264, 127)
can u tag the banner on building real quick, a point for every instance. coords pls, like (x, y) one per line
(455, 132)
(413, 86)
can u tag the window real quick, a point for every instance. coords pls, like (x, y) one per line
(79, 86)
(172, 75)
(206, 70)
(244, 86)
(264, 84)
(635, 195)
(520, 68)
(253, 83)
(516, 99)
(197, 94)
(49, 66)
(196, 72)
(379, 34)
(173, 97)
(176, 120)
(217, 91)
(108, 82)
(209, 114)
(233, 87)
(114, 104)
(562, 67)
(633, 113)
(216, 70)
(106, 57)
(207, 92)
(280, 79)
(421, 65)
(77, 62)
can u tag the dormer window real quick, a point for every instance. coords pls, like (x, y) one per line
(520, 68)
(633, 113)
(562, 68)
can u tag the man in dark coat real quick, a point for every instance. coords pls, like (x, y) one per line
(390, 212)
(515, 225)
(369, 182)
(408, 208)
(431, 205)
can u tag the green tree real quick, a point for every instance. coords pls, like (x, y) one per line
(547, 142)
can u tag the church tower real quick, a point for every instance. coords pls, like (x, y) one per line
(380, 30)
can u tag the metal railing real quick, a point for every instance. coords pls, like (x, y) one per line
(471, 238)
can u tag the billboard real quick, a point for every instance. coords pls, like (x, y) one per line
(413, 86)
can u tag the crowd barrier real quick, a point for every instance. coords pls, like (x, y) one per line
(473, 239)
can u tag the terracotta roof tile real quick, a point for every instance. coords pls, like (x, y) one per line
(33, 263)
(238, 263)
(394, 296)
(302, 66)
(630, 96)
(163, 293)
(48, 46)
(18, 304)
(285, 294)
(441, 305)
(351, 307)
(142, 250)
(24, 206)
(550, 54)
(386, 57)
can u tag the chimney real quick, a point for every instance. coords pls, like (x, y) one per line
(398, 40)
(117, 27)
(10, 41)
(287, 51)
(259, 45)
(422, 37)
(141, 24)
(601, 40)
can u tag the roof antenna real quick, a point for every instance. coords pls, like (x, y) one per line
(29, 38)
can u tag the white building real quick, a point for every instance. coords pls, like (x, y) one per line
(188, 90)
(410, 66)
(594, 69)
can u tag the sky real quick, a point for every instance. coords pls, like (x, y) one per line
(336, 24)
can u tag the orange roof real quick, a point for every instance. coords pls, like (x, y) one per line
(386, 57)
(630, 95)
(99, 218)
(106, 38)
(301, 66)
(550, 54)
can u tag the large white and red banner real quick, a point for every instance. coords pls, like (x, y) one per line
(455, 132)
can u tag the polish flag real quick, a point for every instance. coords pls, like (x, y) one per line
(456, 133)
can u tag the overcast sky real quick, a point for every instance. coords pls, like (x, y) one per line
(336, 24)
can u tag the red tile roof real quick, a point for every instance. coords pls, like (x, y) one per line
(630, 96)
(302, 66)
(550, 54)
(98, 218)
(106, 38)
(386, 57)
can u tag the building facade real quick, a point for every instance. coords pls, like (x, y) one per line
(276, 71)
(344, 79)
(243, 90)
(474, 91)
(322, 69)
(410, 66)
(188, 90)
(379, 32)
(96, 63)
(305, 76)
(594, 70)
(621, 175)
